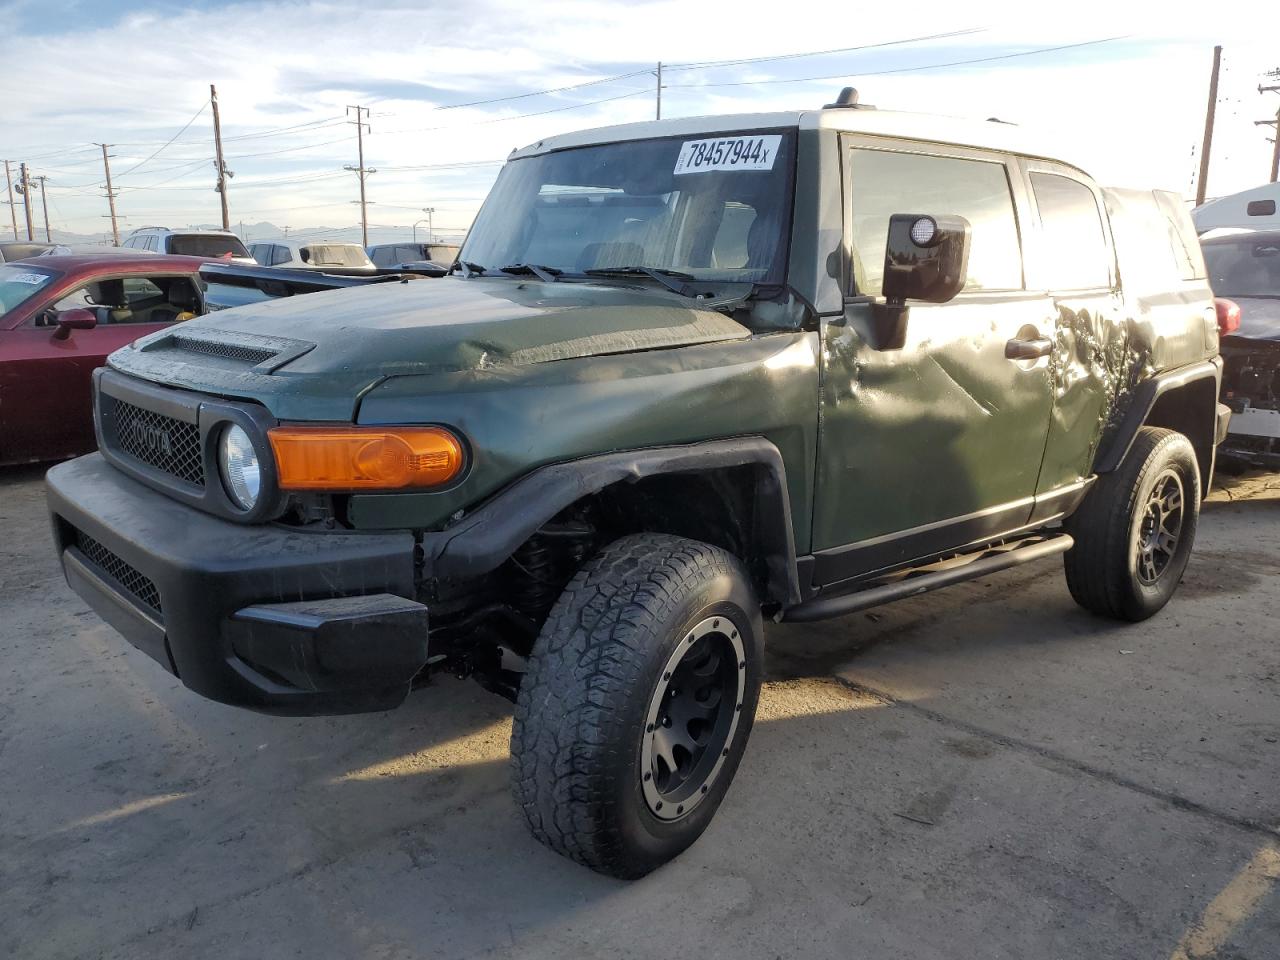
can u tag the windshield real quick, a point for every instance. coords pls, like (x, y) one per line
(716, 208)
(19, 283)
(1245, 267)
(335, 255)
(203, 245)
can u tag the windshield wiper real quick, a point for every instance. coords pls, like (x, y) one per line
(545, 274)
(469, 269)
(673, 280)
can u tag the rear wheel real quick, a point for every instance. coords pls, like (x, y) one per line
(637, 703)
(1134, 531)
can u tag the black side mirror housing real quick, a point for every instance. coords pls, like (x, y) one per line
(925, 258)
(77, 318)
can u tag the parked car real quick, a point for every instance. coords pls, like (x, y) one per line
(1244, 268)
(59, 318)
(406, 256)
(49, 348)
(218, 244)
(1252, 209)
(230, 285)
(11, 250)
(687, 376)
(326, 256)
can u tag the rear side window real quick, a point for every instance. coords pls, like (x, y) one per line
(335, 255)
(1075, 243)
(280, 254)
(885, 183)
(206, 245)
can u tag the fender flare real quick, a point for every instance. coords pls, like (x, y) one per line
(1114, 449)
(485, 538)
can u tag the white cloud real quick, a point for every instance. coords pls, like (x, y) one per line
(1130, 112)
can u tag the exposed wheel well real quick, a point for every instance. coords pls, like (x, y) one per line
(1192, 411)
(720, 507)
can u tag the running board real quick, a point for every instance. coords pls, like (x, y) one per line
(923, 579)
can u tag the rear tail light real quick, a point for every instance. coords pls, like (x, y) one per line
(1228, 315)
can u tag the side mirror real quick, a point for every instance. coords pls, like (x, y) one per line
(925, 258)
(77, 318)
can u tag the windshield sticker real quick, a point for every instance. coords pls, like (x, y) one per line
(728, 153)
(28, 278)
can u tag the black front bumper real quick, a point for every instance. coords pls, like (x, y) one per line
(265, 617)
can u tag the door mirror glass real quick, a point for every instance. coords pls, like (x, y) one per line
(925, 257)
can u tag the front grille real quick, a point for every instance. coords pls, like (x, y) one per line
(134, 582)
(169, 445)
(234, 351)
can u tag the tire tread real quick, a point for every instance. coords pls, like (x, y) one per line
(592, 649)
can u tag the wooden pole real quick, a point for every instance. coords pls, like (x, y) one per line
(222, 164)
(1202, 183)
(13, 211)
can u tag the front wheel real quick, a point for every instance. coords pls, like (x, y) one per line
(637, 703)
(1134, 531)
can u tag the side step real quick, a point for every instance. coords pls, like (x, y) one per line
(919, 580)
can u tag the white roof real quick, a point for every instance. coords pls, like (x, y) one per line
(983, 134)
(1233, 210)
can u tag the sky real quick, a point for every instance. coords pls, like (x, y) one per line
(1121, 89)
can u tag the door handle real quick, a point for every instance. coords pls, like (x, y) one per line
(1031, 349)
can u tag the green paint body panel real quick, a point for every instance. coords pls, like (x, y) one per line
(942, 428)
(876, 443)
(518, 418)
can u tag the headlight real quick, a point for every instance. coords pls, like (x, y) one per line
(238, 462)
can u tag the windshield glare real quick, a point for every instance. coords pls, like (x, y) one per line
(718, 208)
(1244, 268)
(19, 283)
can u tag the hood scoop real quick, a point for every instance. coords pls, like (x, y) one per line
(262, 354)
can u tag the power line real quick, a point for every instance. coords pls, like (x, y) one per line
(276, 153)
(927, 66)
(541, 93)
(170, 140)
(708, 64)
(520, 116)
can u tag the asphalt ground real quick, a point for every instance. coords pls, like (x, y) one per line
(983, 772)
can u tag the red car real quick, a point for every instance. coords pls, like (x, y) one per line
(59, 318)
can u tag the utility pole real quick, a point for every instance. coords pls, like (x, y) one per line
(13, 211)
(44, 202)
(361, 170)
(220, 163)
(1275, 148)
(111, 195)
(659, 116)
(1203, 183)
(431, 229)
(24, 187)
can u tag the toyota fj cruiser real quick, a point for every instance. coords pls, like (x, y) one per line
(685, 376)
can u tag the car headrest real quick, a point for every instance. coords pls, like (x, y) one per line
(107, 293)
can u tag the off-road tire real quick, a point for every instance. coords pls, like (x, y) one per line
(1103, 565)
(593, 675)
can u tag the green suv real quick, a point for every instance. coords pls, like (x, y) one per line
(684, 377)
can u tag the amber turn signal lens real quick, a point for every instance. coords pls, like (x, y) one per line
(364, 458)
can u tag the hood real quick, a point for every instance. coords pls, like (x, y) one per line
(340, 342)
(1259, 318)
